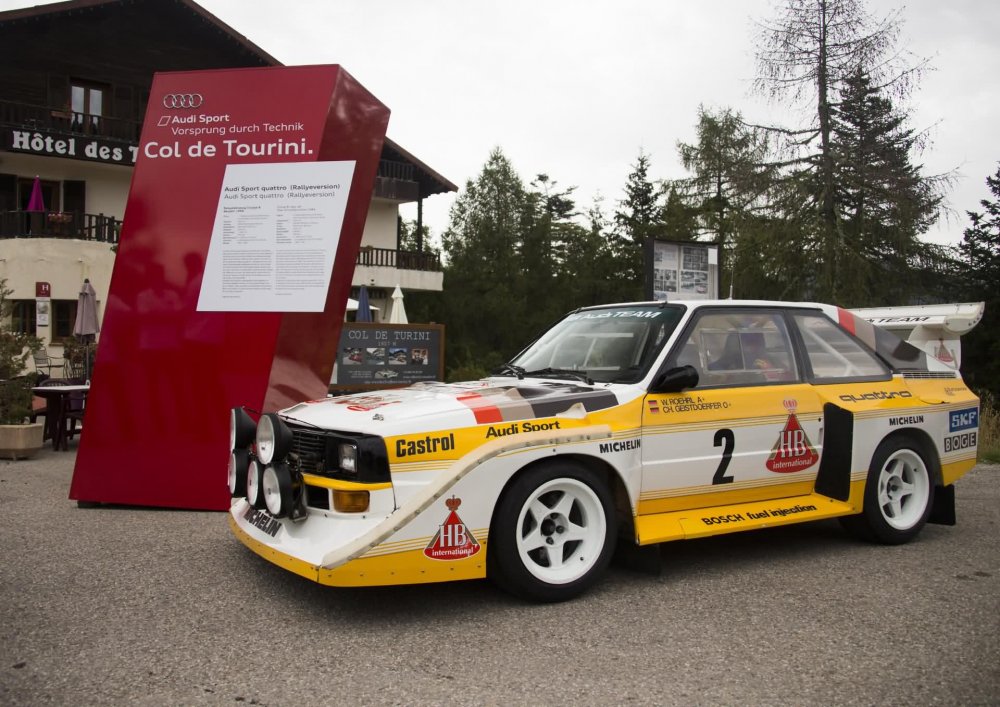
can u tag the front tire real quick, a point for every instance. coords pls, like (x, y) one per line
(553, 533)
(899, 494)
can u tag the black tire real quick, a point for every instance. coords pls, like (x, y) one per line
(553, 533)
(899, 494)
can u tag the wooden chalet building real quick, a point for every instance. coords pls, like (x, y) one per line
(74, 84)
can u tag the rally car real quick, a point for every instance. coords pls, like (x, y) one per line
(634, 423)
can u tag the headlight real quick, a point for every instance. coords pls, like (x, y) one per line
(274, 439)
(241, 429)
(347, 458)
(254, 495)
(278, 489)
(239, 461)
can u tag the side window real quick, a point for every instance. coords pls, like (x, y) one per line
(738, 348)
(834, 354)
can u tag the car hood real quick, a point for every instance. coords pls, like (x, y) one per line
(435, 406)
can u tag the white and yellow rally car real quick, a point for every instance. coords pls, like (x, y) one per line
(642, 422)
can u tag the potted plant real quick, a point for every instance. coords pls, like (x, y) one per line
(19, 437)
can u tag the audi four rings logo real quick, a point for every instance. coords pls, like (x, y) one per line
(183, 100)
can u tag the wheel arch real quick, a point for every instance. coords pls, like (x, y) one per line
(607, 472)
(926, 447)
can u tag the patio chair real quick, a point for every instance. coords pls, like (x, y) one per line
(75, 371)
(43, 360)
(40, 409)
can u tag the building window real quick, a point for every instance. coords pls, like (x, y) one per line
(63, 318)
(87, 101)
(23, 316)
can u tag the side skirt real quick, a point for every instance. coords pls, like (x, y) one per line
(716, 520)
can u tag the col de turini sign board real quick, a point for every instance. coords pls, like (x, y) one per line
(243, 223)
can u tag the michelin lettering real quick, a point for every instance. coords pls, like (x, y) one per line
(625, 445)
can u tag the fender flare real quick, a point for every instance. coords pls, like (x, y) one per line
(458, 470)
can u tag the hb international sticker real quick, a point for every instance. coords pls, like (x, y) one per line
(453, 540)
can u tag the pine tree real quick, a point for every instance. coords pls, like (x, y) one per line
(483, 280)
(638, 218)
(883, 202)
(812, 52)
(980, 279)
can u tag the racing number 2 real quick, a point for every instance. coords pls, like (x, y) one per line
(727, 440)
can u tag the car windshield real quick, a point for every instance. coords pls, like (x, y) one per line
(612, 344)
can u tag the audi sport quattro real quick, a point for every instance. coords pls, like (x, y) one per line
(635, 423)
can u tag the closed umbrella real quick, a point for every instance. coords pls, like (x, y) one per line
(86, 326)
(36, 205)
(397, 315)
(364, 309)
(36, 202)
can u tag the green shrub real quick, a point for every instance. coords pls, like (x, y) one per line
(15, 348)
(989, 428)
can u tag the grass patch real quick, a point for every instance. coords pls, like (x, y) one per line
(989, 428)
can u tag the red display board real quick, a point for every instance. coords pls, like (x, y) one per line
(197, 319)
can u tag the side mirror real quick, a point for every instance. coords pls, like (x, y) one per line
(674, 380)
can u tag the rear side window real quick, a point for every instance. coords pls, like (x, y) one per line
(835, 355)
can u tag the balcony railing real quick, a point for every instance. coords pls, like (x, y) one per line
(59, 224)
(399, 259)
(46, 118)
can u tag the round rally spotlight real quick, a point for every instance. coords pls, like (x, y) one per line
(239, 461)
(255, 494)
(277, 489)
(274, 439)
(241, 429)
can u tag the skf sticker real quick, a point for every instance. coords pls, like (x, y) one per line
(967, 419)
(453, 540)
(793, 451)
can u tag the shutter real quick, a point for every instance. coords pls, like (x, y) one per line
(123, 107)
(75, 196)
(59, 91)
(8, 192)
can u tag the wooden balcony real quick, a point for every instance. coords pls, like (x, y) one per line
(399, 259)
(46, 119)
(60, 224)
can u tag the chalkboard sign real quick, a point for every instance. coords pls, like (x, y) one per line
(388, 355)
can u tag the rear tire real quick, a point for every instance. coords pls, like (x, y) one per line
(899, 494)
(553, 533)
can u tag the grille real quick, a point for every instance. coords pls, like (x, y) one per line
(317, 497)
(929, 375)
(310, 448)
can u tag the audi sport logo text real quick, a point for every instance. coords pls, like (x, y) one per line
(183, 100)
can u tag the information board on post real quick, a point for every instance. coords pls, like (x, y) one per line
(681, 270)
(388, 355)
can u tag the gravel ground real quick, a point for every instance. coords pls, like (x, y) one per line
(131, 606)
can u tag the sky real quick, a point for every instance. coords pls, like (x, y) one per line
(576, 88)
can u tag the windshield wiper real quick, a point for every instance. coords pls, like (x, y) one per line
(510, 368)
(560, 373)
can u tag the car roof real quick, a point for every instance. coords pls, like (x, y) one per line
(695, 303)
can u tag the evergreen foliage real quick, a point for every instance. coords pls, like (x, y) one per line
(980, 278)
(831, 210)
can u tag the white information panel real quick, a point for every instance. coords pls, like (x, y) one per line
(685, 270)
(275, 237)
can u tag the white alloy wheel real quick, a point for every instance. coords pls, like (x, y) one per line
(903, 489)
(561, 531)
